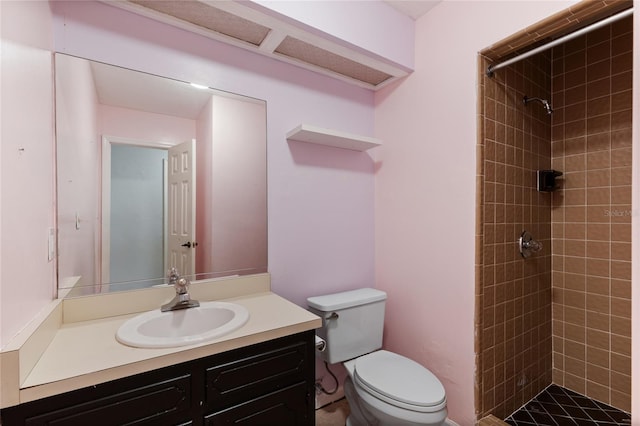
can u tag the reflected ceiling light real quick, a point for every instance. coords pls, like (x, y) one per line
(199, 86)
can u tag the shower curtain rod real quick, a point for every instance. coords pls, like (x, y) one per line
(589, 28)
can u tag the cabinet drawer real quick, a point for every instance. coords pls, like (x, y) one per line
(153, 404)
(288, 406)
(264, 372)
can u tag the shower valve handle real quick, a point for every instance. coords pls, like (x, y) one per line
(528, 245)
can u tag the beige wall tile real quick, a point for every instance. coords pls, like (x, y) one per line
(621, 326)
(598, 374)
(575, 367)
(598, 391)
(621, 232)
(598, 267)
(621, 381)
(598, 249)
(621, 400)
(621, 251)
(598, 339)
(621, 363)
(598, 196)
(599, 285)
(598, 232)
(598, 357)
(621, 288)
(577, 384)
(598, 321)
(621, 175)
(598, 178)
(620, 345)
(621, 194)
(620, 270)
(620, 307)
(598, 303)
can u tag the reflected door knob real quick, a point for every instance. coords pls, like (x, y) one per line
(189, 244)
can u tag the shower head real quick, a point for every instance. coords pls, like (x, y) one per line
(544, 102)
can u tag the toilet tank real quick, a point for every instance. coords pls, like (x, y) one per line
(352, 322)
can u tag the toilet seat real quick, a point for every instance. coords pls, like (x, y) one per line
(399, 381)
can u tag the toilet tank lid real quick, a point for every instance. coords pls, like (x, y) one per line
(346, 299)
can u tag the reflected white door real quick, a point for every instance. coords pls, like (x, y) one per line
(181, 213)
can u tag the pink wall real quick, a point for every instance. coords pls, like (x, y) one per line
(425, 190)
(26, 170)
(204, 135)
(238, 198)
(146, 126)
(231, 198)
(78, 147)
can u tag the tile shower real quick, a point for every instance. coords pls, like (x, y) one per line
(562, 316)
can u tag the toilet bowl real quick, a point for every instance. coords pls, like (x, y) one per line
(387, 389)
(382, 388)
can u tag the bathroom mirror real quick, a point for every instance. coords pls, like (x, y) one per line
(152, 173)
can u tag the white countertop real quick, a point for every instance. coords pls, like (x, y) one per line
(86, 352)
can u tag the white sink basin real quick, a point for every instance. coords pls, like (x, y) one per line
(183, 327)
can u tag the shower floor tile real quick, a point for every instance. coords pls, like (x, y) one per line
(557, 406)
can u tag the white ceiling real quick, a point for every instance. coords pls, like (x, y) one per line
(413, 8)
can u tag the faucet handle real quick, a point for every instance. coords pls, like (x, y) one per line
(182, 299)
(181, 285)
(528, 245)
(173, 274)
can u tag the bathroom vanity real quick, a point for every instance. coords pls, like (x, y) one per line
(266, 383)
(262, 373)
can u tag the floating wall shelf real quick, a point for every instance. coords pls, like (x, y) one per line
(336, 139)
(262, 29)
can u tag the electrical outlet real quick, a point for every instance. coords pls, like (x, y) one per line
(51, 238)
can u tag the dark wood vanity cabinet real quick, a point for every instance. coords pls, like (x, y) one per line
(270, 383)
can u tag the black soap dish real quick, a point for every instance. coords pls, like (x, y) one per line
(547, 180)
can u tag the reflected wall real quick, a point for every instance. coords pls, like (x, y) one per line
(107, 243)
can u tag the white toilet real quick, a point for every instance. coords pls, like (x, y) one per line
(383, 388)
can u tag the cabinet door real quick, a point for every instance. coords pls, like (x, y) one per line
(161, 403)
(251, 375)
(284, 407)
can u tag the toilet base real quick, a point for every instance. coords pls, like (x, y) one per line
(357, 415)
(349, 422)
(447, 422)
(363, 413)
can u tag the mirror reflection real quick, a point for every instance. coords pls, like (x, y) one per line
(154, 173)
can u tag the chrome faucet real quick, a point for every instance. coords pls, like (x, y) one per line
(182, 300)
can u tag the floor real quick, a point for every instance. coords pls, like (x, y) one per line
(334, 414)
(556, 406)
